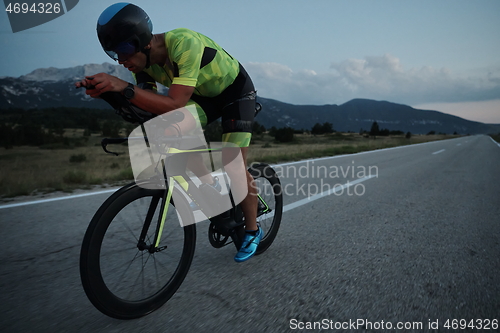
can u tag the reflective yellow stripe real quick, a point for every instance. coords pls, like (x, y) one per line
(179, 151)
(197, 112)
(182, 182)
(240, 139)
(165, 210)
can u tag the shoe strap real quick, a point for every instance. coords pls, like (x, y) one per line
(251, 241)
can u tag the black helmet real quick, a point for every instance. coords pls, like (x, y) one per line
(124, 28)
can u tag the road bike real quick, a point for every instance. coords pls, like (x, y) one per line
(138, 247)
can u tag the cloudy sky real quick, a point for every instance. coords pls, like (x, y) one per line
(440, 54)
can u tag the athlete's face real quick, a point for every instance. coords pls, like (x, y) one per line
(134, 63)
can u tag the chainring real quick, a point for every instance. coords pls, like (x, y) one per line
(216, 239)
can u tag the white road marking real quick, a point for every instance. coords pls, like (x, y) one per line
(498, 144)
(336, 189)
(55, 199)
(438, 152)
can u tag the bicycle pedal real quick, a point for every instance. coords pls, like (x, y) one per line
(263, 211)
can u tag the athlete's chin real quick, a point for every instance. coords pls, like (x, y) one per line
(134, 69)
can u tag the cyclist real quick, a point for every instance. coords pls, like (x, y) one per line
(197, 72)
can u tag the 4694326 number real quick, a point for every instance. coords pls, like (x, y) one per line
(478, 324)
(35, 8)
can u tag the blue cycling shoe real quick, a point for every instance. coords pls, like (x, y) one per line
(249, 246)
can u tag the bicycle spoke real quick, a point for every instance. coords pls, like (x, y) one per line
(127, 268)
(141, 275)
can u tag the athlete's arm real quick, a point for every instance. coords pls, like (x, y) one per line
(178, 95)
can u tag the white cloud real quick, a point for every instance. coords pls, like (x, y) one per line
(375, 77)
(273, 80)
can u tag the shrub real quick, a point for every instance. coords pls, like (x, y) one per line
(78, 158)
(75, 177)
(126, 174)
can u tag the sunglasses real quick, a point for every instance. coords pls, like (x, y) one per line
(123, 51)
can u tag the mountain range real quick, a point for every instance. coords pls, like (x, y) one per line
(53, 87)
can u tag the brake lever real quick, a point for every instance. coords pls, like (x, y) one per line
(106, 141)
(104, 147)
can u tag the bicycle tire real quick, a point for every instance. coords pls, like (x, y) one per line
(269, 188)
(105, 248)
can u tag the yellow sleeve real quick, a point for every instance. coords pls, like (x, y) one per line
(186, 53)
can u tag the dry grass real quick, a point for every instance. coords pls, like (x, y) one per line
(309, 146)
(31, 170)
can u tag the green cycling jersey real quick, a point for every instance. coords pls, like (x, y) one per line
(195, 61)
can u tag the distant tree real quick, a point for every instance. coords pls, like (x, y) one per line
(57, 128)
(317, 129)
(258, 128)
(408, 135)
(93, 124)
(6, 136)
(284, 134)
(272, 131)
(328, 128)
(324, 128)
(111, 128)
(384, 132)
(374, 131)
(30, 134)
(431, 133)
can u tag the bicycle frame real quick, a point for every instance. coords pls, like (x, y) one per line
(173, 158)
(175, 161)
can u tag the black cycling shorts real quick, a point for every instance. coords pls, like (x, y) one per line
(236, 108)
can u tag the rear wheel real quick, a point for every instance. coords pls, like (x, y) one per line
(270, 205)
(124, 277)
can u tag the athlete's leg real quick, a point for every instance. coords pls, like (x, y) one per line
(194, 119)
(249, 204)
(237, 121)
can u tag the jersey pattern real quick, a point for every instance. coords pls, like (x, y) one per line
(195, 61)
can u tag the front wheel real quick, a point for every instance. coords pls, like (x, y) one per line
(270, 203)
(123, 274)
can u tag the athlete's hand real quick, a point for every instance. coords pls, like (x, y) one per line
(102, 82)
(83, 84)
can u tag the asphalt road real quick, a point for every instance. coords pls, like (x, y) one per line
(418, 242)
